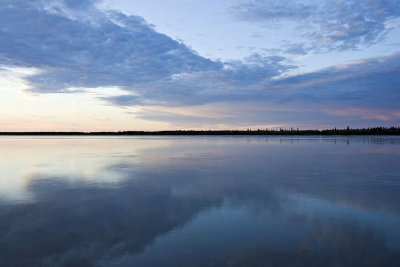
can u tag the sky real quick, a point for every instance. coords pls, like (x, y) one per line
(92, 65)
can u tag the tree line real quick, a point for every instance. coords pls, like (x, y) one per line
(291, 131)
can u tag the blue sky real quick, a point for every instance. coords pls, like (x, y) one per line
(186, 64)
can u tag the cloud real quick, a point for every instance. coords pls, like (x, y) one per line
(368, 83)
(366, 92)
(365, 113)
(333, 24)
(297, 49)
(235, 80)
(371, 82)
(73, 48)
(79, 4)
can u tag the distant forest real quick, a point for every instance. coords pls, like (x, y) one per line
(347, 131)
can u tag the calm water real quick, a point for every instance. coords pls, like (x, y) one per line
(200, 201)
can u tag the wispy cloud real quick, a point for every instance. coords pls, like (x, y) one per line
(332, 24)
(382, 115)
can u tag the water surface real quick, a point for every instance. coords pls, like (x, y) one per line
(200, 201)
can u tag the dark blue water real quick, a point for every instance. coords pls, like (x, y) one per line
(200, 201)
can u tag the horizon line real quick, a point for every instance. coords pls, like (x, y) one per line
(291, 131)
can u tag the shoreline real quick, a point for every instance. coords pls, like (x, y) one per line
(266, 132)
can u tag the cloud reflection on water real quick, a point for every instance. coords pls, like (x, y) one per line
(194, 200)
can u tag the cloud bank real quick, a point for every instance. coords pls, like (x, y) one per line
(88, 48)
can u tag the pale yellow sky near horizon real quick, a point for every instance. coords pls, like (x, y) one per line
(24, 111)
